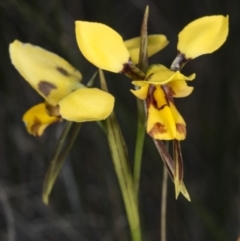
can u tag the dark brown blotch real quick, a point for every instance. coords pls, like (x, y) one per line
(46, 87)
(181, 128)
(63, 71)
(52, 110)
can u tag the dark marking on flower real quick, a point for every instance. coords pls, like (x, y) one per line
(126, 68)
(158, 127)
(46, 87)
(52, 110)
(179, 61)
(63, 71)
(168, 95)
(181, 128)
(151, 98)
(35, 127)
(130, 70)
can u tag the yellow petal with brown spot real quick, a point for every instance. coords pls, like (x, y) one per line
(156, 42)
(50, 75)
(37, 120)
(142, 92)
(160, 121)
(203, 36)
(179, 123)
(101, 45)
(86, 104)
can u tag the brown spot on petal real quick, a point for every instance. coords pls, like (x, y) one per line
(181, 128)
(158, 127)
(62, 71)
(52, 110)
(35, 127)
(46, 87)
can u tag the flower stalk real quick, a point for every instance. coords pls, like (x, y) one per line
(141, 106)
(120, 161)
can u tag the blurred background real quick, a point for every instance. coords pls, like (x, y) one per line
(86, 203)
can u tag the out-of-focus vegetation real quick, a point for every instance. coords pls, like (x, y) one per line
(86, 203)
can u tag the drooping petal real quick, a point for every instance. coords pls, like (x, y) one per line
(160, 121)
(142, 92)
(203, 36)
(179, 89)
(179, 123)
(50, 75)
(86, 104)
(37, 120)
(156, 42)
(101, 45)
(159, 74)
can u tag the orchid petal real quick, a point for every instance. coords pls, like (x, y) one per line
(101, 45)
(156, 42)
(159, 74)
(86, 104)
(179, 123)
(203, 36)
(142, 92)
(50, 75)
(179, 89)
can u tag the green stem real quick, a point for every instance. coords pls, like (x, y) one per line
(120, 161)
(164, 204)
(141, 105)
(124, 179)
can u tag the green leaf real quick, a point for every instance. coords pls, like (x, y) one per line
(58, 159)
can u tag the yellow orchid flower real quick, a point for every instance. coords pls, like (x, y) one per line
(203, 36)
(59, 83)
(164, 122)
(105, 48)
